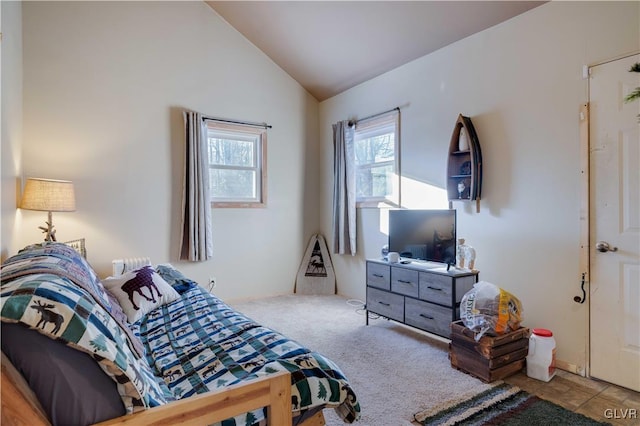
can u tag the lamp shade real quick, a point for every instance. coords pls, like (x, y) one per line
(48, 195)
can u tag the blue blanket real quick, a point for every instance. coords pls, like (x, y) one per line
(199, 343)
(190, 346)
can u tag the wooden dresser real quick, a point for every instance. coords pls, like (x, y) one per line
(417, 293)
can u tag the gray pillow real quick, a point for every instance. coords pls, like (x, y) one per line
(70, 385)
(175, 278)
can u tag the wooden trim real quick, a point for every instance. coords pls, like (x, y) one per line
(377, 203)
(273, 391)
(20, 406)
(585, 201)
(584, 190)
(237, 205)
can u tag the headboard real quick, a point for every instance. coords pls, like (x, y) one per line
(120, 266)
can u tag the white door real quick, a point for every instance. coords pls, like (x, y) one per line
(615, 224)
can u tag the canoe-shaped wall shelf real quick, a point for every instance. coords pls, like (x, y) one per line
(464, 168)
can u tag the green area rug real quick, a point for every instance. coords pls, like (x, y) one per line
(507, 405)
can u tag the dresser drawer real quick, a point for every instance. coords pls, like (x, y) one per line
(427, 316)
(386, 304)
(405, 281)
(378, 275)
(463, 285)
(436, 288)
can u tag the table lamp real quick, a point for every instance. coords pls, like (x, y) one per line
(51, 196)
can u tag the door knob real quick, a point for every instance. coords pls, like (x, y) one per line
(603, 247)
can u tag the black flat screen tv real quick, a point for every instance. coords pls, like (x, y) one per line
(428, 235)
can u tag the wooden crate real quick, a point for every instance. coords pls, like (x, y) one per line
(492, 357)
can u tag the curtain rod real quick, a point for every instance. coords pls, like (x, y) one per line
(352, 122)
(245, 123)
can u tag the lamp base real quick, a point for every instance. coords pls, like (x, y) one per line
(48, 230)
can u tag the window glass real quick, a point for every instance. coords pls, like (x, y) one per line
(376, 147)
(237, 165)
(231, 151)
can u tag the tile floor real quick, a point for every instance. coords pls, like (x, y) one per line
(598, 400)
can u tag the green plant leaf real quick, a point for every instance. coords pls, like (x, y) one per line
(633, 95)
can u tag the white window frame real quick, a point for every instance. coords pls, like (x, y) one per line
(373, 127)
(256, 135)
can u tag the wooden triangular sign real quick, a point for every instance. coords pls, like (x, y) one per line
(316, 275)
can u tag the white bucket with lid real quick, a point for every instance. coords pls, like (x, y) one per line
(541, 360)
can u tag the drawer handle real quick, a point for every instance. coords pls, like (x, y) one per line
(426, 316)
(378, 276)
(434, 288)
(384, 303)
(405, 282)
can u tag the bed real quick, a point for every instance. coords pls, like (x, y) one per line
(149, 345)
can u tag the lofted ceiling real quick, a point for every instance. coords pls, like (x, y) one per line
(331, 46)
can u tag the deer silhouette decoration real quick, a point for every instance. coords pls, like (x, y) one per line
(143, 278)
(46, 316)
(316, 264)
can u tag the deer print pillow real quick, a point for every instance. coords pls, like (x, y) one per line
(140, 291)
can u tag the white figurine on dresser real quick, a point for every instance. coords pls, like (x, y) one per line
(466, 255)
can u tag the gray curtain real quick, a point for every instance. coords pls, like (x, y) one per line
(344, 189)
(196, 238)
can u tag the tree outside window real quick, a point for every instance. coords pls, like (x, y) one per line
(376, 147)
(237, 165)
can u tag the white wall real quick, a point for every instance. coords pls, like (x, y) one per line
(521, 83)
(104, 88)
(104, 83)
(11, 123)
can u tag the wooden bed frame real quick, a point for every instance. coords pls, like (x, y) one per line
(20, 407)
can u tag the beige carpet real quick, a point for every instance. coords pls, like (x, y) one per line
(395, 370)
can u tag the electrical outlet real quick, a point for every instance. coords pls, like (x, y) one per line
(212, 283)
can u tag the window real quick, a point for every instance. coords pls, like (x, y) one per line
(237, 165)
(376, 146)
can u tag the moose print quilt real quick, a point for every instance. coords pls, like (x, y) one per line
(189, 345)
(199, 343)
(65, 263)
(51, 301)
